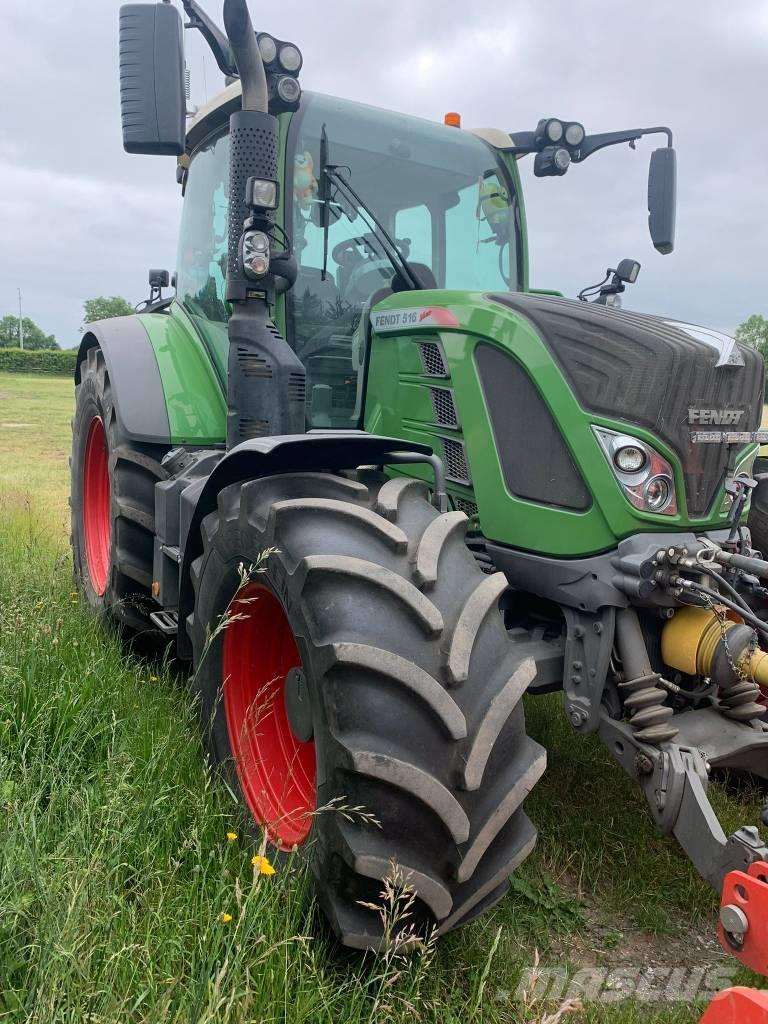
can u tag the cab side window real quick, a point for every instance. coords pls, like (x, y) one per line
(335, 283)
(202, 262)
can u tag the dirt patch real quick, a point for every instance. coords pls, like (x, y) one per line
(611, 939)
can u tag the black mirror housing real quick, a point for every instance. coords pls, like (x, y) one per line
(662, 199)
(152, 90)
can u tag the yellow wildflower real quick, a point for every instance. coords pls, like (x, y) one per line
(225, 918)
(231, 836)
(263, 865)
(153, 679)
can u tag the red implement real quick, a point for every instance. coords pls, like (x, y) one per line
(737, 1006)
(743, 932)
(743, 929)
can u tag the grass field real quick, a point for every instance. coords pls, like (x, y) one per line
(115, 867)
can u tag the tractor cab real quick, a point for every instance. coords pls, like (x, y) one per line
(450, 202)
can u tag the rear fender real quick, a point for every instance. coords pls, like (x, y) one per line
(134, 377)
(163, 378)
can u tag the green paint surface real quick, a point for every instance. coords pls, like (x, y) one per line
(398, 403)
(197, 409)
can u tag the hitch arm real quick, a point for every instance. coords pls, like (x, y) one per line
(674, 778)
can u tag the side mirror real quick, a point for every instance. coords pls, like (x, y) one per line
(152, 89)
(662, 198)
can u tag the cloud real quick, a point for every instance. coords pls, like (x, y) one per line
(78, 217)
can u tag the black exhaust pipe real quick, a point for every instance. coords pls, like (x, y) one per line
(242, 39)
(267, 382)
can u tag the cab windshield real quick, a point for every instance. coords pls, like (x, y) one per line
(440, 193)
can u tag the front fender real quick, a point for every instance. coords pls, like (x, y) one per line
(317, 451)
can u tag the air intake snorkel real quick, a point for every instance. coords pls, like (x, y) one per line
(266, 381)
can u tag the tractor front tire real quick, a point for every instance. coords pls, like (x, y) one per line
(112, 503)
(360, 692)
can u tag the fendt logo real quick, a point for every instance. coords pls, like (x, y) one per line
(715, 417)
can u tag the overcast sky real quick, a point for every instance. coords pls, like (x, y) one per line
(79, 218)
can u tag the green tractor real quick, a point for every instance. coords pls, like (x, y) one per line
(376, 489)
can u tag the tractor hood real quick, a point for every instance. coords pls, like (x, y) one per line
(668, 377)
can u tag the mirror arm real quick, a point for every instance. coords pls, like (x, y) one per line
(213, 35)
(592, 143)
(525, 142)
(522, 142)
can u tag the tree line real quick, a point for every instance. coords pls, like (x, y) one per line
(35, 338)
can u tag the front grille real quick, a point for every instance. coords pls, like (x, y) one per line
(444, 407)
(432, 359)
(642, 369)
(456, 465)
(535, 459)
(469, 508)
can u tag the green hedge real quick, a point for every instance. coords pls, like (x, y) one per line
(14, 360)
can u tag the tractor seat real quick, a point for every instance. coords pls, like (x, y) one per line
(423, 274)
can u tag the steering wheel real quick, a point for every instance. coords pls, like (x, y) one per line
(361, 270)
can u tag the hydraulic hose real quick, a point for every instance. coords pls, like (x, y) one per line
(245, 48)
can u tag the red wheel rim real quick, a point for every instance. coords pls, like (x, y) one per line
(96, 505)
(277, 772)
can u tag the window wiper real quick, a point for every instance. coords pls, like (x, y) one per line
(332, 174)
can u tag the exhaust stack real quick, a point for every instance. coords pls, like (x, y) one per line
(266, 381)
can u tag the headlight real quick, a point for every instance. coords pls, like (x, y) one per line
(267, 48)
(657, 493)
(288, 89)
(574, 134)
(290, 58)
(554, 130)
(552, 160)
(629, 458)
(262, 192)
(645, 477)
(562, 159)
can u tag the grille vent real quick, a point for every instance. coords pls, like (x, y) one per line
(250, 427)
(456, 465)
(444, 407)
(432, 359)
(253, 365)
(297, 387)
(469, 508)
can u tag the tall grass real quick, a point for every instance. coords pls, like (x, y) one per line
(121, 896)
(116, 870)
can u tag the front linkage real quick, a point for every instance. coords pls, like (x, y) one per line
(697, 586)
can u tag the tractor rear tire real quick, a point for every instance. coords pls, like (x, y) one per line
(112, 504)
(362, 695)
